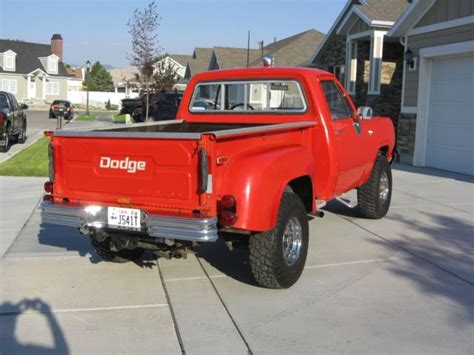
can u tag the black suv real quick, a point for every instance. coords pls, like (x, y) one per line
(163, 106)
(12, 120)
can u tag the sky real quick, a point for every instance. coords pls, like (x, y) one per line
(97, 29)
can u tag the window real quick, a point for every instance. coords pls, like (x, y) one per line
(14, 103)
(9, 63)
(3, 101)
(338, 104)
(52, 88)
(252, 96)
(9, 85)
(52, 65)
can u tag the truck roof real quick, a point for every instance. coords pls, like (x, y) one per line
(259, 72)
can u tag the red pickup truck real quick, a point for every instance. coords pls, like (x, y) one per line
(251, 154)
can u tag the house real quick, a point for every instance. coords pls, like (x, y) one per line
(200, 61)
(296, 50)
(32, 70)
(76, 77)
(359, 52)
(125, 80)
(436, 125)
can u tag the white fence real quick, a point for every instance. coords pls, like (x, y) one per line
(98, 98)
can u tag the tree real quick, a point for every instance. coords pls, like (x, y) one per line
(165, 76)
(143, 27)
(99, 79)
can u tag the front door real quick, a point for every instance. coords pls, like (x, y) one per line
(352, 162)
(32, 89)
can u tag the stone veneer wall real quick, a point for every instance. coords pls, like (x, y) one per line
(406, 137)
(334, 54)
(389, 101)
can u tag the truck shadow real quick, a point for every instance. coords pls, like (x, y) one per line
(10, 314)
(234, 264)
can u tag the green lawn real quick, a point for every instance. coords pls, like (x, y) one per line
(91, 117)
(31, 161)
(119, 118)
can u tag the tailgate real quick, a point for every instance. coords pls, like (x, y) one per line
(156, 175)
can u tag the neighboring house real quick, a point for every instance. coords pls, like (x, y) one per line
(436, 126)
(176, 61)
(200, 61)
(76, 77)
(358, 51)
(296, 50)
(33, 70)
(125, 80)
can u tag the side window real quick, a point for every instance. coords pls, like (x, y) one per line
(14, 103)
(337, 103)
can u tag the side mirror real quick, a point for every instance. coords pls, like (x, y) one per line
(24, 106)
(365, 112)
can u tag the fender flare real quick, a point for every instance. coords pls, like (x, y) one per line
(257, 180)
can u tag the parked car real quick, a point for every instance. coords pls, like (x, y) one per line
(65, 105)
(268, 147)
(13, 121)
(162, 106)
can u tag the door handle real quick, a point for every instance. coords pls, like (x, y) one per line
(339, 131)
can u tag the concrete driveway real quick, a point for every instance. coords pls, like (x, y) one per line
(401, 285)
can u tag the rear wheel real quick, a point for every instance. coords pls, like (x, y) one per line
(6, 141)
(375, 195)
(277, 257)
(137, 115)
(21, 138)
(104, 250)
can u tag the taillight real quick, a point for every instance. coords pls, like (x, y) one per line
(2, 118)
(48, 187)
(48, 198)
(227, 207)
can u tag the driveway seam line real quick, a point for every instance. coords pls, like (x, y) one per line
(412, 253)
(250, 352)
(432, 201)
(92, 309)
(173, 317)
(22, 227)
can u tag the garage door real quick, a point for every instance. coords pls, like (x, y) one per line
(450, 136)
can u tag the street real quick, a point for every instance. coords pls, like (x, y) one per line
(400, 285)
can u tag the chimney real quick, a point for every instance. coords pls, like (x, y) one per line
(57, 46)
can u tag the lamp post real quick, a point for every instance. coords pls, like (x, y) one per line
(88, 67)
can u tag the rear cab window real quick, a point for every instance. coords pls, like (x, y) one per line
(257, 96)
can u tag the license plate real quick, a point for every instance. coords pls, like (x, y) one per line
(124, 218)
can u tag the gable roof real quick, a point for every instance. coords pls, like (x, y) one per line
(373, 12)
(410, 17)
(182, 59)
(29, 56)
(295, 50)
(230, 57)
(382, 10)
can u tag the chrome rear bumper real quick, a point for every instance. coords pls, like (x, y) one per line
(189, 229)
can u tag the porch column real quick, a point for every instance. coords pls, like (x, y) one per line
(351, 66)
(28, 86)
(44, 88)
(376, 55)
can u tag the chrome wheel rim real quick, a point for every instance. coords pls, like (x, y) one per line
(383, 187)
(292, 241)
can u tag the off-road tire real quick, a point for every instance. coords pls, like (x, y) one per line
(266, 250)
(122, 256)
(370, 205)
(137, 115)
